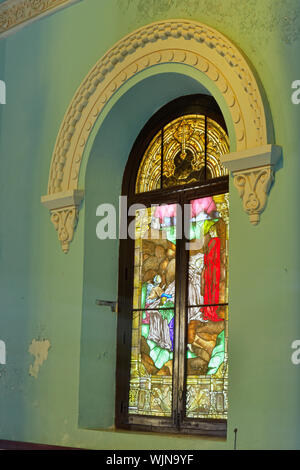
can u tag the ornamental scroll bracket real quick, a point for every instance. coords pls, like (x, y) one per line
(253, 173)
(64, 209)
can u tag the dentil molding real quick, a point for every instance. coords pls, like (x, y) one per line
(17, 13)
(175, 41)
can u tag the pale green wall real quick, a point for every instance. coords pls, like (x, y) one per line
(47, 294)
(107, 156)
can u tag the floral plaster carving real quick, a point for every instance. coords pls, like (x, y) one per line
(65, 221)
(253, 173)
(253, 188)
(175, 41)
(64, 209)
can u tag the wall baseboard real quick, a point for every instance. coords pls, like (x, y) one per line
(17, 445)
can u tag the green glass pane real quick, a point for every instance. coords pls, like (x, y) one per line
(207, 368)
(152, 363)
(154, 258)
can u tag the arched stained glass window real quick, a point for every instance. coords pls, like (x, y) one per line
(186, 150)
(173, 293)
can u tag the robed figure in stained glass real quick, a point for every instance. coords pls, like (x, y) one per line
(179, 358)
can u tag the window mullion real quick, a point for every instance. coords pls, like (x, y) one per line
(205, 149)
(179, 364)
(162, 159)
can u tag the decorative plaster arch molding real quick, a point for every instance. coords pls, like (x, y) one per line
(176, 41)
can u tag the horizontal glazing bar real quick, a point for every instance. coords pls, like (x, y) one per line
(207, 305)
(154, 309)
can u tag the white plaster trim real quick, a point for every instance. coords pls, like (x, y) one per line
(174, 41)
(252, 158)
(63, 199)
(15, 14)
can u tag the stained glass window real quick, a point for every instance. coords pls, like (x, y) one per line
(207, 372)
(153, 315)
(187, 150)
(175, 302)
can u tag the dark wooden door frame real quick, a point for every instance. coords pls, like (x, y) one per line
(196, 104)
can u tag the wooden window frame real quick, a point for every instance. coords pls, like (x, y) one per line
(178, 423)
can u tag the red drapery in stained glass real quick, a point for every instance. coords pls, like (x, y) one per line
(212, 279)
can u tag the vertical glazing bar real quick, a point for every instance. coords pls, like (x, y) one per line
(205, 148)
(162, 158)
(181, 312)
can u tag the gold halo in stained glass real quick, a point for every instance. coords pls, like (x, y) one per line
(183, 154)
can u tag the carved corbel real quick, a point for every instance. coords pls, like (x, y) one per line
(253, 187)
(253, 172)
(64, 208)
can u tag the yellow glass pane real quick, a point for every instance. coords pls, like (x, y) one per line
(208, 250)
(207, 371)
(207, 365)
(184, 151)
(153, 320)
(184, 159)
(150, 392)
(149, 174)
(217, 145)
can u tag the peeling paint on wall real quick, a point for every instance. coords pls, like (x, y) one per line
(39, 349)
(2, 352)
